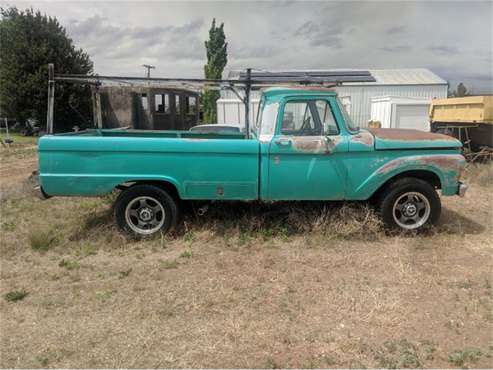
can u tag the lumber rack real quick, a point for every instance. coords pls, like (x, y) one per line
(246, 81)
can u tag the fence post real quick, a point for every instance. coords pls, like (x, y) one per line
(51, 98)
(247, 101)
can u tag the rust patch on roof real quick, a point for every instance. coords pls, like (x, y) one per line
(405, 134)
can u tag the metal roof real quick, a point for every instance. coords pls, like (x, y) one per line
(279, 90)
(402, 76)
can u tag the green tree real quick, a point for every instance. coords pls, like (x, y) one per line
(461, 90)
(29, 41)
(217, 57)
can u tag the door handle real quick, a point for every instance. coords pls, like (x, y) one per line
(283, 142)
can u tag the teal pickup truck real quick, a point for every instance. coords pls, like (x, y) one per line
(303, 146)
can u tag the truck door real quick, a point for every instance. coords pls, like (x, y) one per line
(305, 154)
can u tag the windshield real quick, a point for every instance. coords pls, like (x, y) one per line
(256, 124)
(351, 126)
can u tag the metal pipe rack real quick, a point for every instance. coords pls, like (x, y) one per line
(246, 80)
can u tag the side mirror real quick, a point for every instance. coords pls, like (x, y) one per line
(374, 124)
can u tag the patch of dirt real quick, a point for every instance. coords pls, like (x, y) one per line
(15, 173)
(16, 164)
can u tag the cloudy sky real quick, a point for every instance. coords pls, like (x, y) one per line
(453, 39)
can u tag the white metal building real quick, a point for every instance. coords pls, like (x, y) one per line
(398, 112)
(356, 97)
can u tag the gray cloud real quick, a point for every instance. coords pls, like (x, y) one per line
(307, 29)
(396, 29)
(396, 48)
(321, 34)
(179, 41)
(120, 36)
(443, 49)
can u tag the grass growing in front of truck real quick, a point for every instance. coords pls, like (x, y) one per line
(284, 285)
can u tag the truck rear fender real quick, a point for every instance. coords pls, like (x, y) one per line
(166, 183)
(442, 171)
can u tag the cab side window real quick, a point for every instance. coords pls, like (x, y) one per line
(308, 118)
(299, 119)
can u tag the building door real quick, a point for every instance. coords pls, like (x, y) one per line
(412, 116)
(163, 115)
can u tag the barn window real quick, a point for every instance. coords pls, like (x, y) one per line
(191, 103)
(177, 103)
(144, 102)
(161, 103)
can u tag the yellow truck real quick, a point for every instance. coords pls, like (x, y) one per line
(469, 118)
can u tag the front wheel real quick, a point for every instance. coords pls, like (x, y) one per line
(410, 204)
(145, 210)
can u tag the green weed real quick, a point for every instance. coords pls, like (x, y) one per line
(169, 264)
(42, 240)
(124, 274)
(16, 295)
(105, 295)
(88, 250)
(398, 354)
(465, 356)
(69, 264)
(186, 254)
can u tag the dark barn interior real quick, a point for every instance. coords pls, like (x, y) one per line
(147, 108)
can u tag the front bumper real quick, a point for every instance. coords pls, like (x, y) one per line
(462, 189)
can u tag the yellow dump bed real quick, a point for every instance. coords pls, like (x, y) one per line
(472, 109)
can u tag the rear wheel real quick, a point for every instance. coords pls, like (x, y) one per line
(145, 210)
(410, 204)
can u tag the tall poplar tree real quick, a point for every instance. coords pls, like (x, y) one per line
(217, 58)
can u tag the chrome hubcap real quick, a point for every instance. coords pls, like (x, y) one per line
(411, 210)
(145, 215)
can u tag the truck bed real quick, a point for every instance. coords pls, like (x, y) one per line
(468, 109)
(200, 166)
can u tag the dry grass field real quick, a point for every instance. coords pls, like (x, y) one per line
(246, 285)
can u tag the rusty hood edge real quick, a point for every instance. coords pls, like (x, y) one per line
(391, 138)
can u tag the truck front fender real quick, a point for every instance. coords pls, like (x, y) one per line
(447, 167)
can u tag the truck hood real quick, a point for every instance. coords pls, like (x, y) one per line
(392, 138)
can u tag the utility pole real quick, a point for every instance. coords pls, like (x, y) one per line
(148, 67)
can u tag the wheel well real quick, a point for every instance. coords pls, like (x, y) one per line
(165, 185)
(428, 176)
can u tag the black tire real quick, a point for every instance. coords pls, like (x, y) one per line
(154, 198)
(404, 194)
